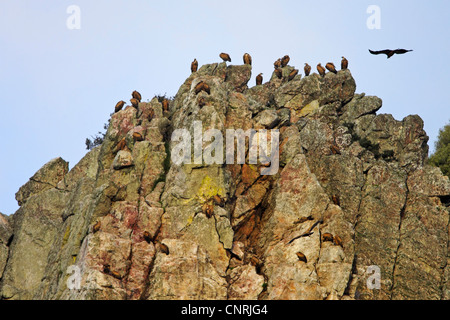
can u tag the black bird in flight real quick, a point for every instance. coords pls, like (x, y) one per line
(389, 52)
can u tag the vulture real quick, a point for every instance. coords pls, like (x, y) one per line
(301, 257)
(321, 69)
(136, 95)
(137, 136)
(165, 105)
(307, 69)
(247, 59)
(344, 64)
(194, 65)
(292, 74)
(389, 53)
(327, 237)
(277, 64)
(134, 102)
(259, 79)
(119, 106)
(330, 67)
(279, 73)
(338, 240)
(285, 61)
(225, 57)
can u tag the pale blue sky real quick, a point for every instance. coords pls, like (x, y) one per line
(58, 86)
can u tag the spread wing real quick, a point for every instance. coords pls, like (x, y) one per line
(380, 51)
(401, 51)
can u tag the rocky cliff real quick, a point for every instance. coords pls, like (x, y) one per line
(354, 211)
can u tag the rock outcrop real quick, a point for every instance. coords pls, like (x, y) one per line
(353, 212)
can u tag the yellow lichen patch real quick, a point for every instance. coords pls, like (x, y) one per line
(295, 103)
(66, 235)
(208, 189)
(309, 108)
(189, 222)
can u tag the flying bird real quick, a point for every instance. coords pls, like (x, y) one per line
(307, 69)
(119, 106)
(389, 53)
(285, 61)
(292, 74)
(194, 66)
(225, 57)
(344, 64)
(321, 69)
(136, 95)
(247, 59)
(259, 79)
(330, 67)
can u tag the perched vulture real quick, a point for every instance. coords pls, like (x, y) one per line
(338, 240)
(194, 65)
(137, 136)
(136, 95)
(134, 102)
(277, 64)
(225, 57)
(147, 237)
(307, 69)
(292, 74)
(321, 69)
(327, 237)
(201, 102)
(301, 257)
(285, 61)
(259, 79)
(330, 67)
(279, 73)
(247, 59)
(165, 105)
(344, 64)
(198, 87)
(119, 106)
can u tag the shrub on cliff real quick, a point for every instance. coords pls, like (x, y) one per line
(441, 156)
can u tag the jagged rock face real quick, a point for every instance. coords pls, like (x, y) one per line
(352, 193)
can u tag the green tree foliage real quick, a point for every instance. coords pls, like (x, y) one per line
(97, 139)
(441, 156)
